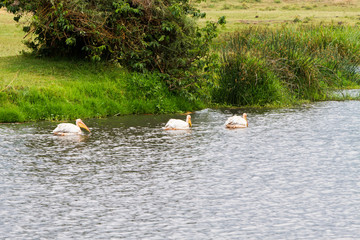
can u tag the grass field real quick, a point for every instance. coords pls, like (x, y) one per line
(240, 13)
(11, 35)
(56, 89)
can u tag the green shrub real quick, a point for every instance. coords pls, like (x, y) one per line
(247, 80)
(155, 35)
(267, 65)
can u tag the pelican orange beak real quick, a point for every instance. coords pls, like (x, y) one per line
(82, 125)
(190, 123)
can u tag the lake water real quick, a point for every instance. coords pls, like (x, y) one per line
(293, 174)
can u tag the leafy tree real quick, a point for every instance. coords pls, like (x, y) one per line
(143, 35)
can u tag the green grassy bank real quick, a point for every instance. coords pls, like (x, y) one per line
(43, 89)
(257, 66)
(242, 13)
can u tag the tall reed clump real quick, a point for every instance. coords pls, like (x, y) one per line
(262, 65)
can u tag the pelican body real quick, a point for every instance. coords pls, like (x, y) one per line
(70, 129)
(177, 124)
(237, 122)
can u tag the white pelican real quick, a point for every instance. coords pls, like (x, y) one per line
(237, 122)
(176, 124)
(70, 129)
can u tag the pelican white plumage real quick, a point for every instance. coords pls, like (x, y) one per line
(237, 122)
(70, 129)
(177, 124)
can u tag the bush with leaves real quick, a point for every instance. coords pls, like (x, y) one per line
(142, 35)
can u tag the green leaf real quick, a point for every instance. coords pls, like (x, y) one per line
(162, 38)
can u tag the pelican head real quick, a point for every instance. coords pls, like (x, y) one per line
(245, 117)
(81, 124)
(188, 120)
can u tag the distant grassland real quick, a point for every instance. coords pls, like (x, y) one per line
(240, 13)
(11, 35)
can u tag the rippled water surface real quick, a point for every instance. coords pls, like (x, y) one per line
(293, 174)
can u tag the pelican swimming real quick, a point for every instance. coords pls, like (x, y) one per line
(237, 122)
(70, 129)
(176, 124)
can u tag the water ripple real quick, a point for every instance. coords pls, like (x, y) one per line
(293, 174)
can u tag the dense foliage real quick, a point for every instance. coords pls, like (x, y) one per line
(143, 35)
(263, 65)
